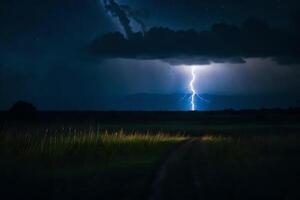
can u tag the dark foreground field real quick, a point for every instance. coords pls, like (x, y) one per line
(152, 155)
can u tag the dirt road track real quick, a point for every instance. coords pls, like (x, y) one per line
(177, 177)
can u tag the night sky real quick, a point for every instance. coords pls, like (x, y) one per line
(137, 55)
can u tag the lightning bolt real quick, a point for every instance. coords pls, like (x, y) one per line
(192, 89)
(193, 93)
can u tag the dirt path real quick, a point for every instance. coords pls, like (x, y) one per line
(177, 177)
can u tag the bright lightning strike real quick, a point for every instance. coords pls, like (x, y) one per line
(193, 93)
(192, 88)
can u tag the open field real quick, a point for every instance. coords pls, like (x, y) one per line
(80, 165)
(233, 167)
(151, 156)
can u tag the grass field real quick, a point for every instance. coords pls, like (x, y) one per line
(235, 167)
(220, 158)
(260, 167)
(80, 165)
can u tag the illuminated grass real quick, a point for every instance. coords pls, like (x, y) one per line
(85, 164)
(85, 146)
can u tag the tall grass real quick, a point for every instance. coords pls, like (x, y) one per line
(251, 146)
(73, 164)
(89, 146)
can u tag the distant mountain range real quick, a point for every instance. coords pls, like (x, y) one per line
(205, 102)
(167, 102)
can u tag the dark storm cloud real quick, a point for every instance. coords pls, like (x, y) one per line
(116, 10)
(125, 14)
(138, 16)
(202, 60)
(223, 43)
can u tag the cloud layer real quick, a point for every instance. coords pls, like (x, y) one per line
(222, 43)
